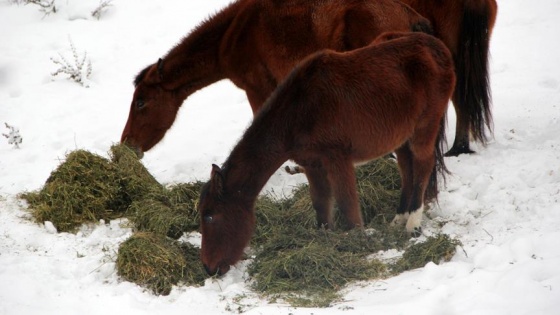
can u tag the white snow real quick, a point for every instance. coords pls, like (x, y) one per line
(503, 203)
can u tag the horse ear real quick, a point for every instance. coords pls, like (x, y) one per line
(154, 74)
(216, 180)
(160, 68)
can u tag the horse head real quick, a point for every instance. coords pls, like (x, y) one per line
(152, 111)
(227, 224)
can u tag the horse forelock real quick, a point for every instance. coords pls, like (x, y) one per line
(140, 76)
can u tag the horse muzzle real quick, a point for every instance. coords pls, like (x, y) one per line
(139, 152)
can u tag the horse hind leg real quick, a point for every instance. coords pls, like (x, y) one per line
(404, 160)
(423, 165)
(461, 144)
(472, 96)
(416, 159)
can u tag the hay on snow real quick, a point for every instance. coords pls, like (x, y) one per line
(293, 259)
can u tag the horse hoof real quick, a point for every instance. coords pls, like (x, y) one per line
(416, 232)
(293, 170)
(456, 151)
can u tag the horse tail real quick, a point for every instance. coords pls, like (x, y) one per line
(440, 170)
(472, 91)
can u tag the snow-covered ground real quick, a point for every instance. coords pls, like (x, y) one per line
(503, 203)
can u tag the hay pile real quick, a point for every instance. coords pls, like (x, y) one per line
(157, 263)
(292, 259)
(306, 266)
(87, 188)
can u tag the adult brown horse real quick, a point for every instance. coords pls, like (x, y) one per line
(256, 43)
(333, 111)
(465, 26)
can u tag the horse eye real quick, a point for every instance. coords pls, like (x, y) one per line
(140, 104)
(208, 219)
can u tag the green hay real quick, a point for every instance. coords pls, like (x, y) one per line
(294, 260)
(310, 275)
(85, 188)
(379, 185)
(170, 212)
(307, 266)
(435, 249)
(134, 178)
(157, 263)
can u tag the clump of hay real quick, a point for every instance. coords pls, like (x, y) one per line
(297, 261)
(435, 249)
(378, 185)
(309, 266)
(170, 212)
(85, 188)
(293, 259)
(135, 180)
(158, 263)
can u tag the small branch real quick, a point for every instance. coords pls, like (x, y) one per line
(103, 5)
(77, 72)
(14, 138)
(47, 7)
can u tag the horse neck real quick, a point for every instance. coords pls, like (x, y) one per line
(194, 63)
(252, 162)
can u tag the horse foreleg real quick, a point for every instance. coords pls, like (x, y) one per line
(343, 180)
(321, 196)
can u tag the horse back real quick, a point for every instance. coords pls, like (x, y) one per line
(268, 38)
(445, 16)
(365, 102)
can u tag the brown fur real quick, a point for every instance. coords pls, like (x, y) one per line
(333, 111)
(465, 26)
(255, 44)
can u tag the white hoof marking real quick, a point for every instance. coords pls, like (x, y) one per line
(415, 220)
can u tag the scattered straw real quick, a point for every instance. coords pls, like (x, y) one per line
(435, 249)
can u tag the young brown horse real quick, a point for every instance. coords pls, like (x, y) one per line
(333, 111)
(256, 43)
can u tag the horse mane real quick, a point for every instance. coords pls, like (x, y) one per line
(202, 38)
(216, 23)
